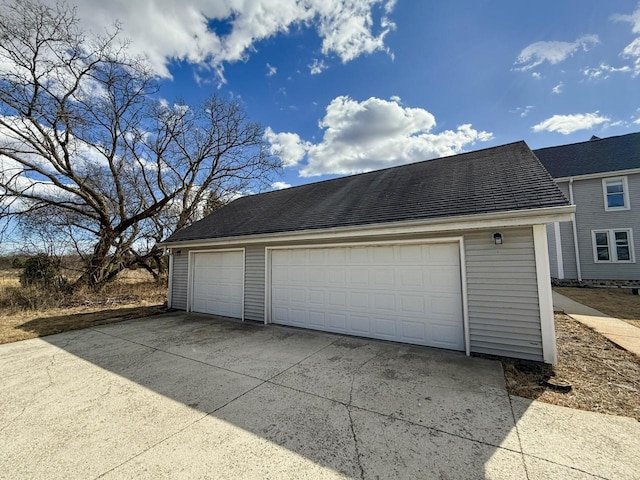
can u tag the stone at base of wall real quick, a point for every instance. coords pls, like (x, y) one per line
(595, 283)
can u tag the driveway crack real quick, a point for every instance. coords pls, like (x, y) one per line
(515, 426)
(355, 442)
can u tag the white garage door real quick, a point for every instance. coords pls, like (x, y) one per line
(217, 286)
(405, 293)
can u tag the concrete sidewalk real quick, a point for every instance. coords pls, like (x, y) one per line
(619, 332)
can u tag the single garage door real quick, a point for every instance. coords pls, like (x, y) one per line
(406, 293)
(217, 285)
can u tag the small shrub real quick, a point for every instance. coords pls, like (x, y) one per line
(17, 262)
(43, 271)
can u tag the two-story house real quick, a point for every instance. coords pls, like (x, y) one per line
(602, 178)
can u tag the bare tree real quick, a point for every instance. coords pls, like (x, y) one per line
(88, 147)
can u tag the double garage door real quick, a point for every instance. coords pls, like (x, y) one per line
(405, 293)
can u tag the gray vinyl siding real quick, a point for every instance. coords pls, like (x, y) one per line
(551, 241)
(568, 250)
(591, 215)
(504, 314)
(179, 281)
(566, 241)
(568, 253)
(254, 283)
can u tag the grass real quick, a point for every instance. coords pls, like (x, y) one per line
(616, 302)
(29, 312)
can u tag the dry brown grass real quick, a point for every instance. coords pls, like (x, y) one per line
(604, 377)
(617, 302)
(30, 312)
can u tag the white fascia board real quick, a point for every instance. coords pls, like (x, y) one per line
(589, 176)
(511, 218)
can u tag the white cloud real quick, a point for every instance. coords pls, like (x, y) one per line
(523, 111)
(552, 52)
(288, 146)
(165, 30)
(536, 75)
(374, 134)
(567, 124)
(395, 98)
(280, 185)
(271, 70)
(633, 19)
(637, 121)
(631, 51)
(603, 70)
(317, 66)
(558, 88)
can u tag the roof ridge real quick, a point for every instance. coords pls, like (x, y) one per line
(590, 141)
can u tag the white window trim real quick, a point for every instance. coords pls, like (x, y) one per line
(613, 253)
(625, 191)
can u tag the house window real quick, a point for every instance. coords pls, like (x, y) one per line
(613, 246)
(616, 193)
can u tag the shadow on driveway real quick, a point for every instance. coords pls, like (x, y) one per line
(194, 396)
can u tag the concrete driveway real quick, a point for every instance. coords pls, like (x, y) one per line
(193, 396)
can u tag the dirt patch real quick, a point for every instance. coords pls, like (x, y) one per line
(604, 377)
(617, 302)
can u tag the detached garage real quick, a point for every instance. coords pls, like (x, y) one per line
(448, 253)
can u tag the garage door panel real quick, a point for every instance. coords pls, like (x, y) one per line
(385, 327)
(412, 304)
(297, 274)
(443, 255)
(413, 332)
(360, 324)
(336, 299)
(384, 277)
(336, 276)
(446, 305)
(359, 256)
(444, 279)
(217, 283)
(314, 276)
(316, 319)
(408, 293)
(385, 301)
(444, 335)
(281, 315)
(360, 300)
(412, 278)
(359, 277)
(337, 322)
(298, 317)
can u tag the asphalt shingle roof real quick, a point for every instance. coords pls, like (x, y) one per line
(593, 156)
(497, 179)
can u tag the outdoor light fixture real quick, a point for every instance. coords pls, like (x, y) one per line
(497, 238)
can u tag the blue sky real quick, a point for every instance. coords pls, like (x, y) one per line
(343, 89)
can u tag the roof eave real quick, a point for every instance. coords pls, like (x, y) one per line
(608, 173)
(510, 218)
